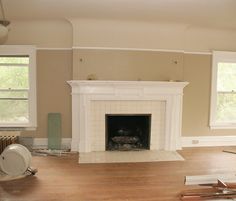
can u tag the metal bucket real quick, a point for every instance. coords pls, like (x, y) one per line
(15, 160)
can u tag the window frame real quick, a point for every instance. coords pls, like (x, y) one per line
(19, 50)
(219, 57)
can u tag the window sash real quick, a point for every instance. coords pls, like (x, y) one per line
(226, 92)
(30, 98)
(14, 94)
(4, 94)
(217, 58)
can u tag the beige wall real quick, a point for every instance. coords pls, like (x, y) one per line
(54, 68)
(196, 106)
(128, 65)
(146, 65)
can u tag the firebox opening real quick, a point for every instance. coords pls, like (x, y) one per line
(126, 132)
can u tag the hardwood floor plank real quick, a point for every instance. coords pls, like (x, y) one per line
(63, 179)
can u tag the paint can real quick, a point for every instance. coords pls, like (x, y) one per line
(15, 160)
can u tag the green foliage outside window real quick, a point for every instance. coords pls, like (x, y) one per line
(13, 77)
(13, 111)
(14, 85)
(226, 107)
(226, 92)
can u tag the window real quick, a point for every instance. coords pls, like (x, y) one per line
(17, 87)
(223, 96)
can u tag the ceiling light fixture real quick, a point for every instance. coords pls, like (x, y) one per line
(3, 25)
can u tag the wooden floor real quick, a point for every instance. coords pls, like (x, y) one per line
(63, 179)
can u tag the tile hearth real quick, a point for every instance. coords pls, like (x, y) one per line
(129, 156)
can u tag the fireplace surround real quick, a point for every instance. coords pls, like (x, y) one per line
(93, 100)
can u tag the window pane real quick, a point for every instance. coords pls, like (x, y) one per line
(226, 107)
(13, 94)
(226, 77)
(13, 77)
(14, 111)
(14, 60)
(17, 86)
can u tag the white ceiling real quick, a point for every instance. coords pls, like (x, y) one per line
(213, 13)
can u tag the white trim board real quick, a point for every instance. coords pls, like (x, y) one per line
(208, 141)
(197, 141)
(209, 179)
(142, 49)
(54, 48)
(125, 49)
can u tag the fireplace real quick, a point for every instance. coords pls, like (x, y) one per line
(93, 100)
(128, 132)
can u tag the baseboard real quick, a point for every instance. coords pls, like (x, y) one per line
(208, 141)
(43, 142)
(196, 141)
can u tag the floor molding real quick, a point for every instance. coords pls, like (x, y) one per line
(208, 141)
(43, 142)
(196, 141)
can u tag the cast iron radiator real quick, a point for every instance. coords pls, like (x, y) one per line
(7, 140)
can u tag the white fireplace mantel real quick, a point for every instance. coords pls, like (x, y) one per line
(85, 91)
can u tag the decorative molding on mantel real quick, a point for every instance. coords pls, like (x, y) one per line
(84, 91)
(112, 87)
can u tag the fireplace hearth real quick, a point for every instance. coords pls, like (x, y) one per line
(128, 132)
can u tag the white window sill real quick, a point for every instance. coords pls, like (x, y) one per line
(18, 128)
(223, 126)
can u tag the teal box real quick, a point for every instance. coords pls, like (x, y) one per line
(54, 131)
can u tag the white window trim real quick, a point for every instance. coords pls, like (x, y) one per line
(219, 56)
(31, 52)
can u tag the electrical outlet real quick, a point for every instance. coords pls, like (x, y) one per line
(195, 141)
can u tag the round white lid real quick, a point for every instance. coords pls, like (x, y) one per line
(13, 162)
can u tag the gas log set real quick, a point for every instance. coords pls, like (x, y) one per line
(125, 143)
